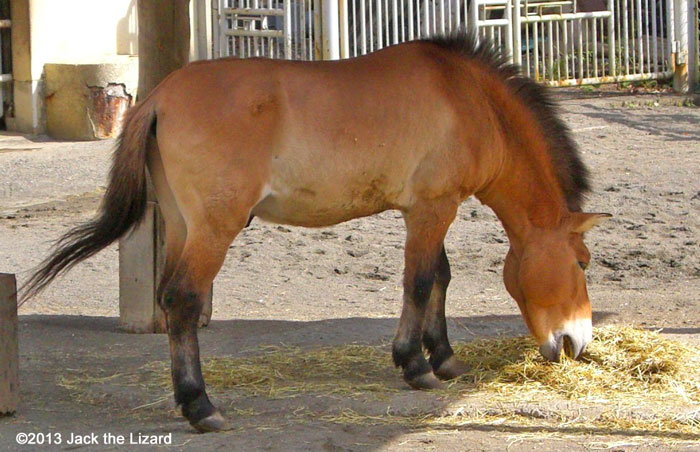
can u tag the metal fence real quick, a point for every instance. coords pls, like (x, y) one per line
(628, 40)
(373, 24)
(558, 42)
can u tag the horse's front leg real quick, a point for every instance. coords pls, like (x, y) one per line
(426, 227)
(445, 365)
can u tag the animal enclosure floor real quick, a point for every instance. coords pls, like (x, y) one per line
(341, 285)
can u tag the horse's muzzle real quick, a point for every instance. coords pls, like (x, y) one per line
(573, 339)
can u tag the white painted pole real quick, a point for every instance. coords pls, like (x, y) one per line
(510, 31)
(682, 25)
(517, 34)
(287, 30)
(330, 33)
(344, 30)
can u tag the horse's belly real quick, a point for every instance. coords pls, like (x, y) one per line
(316, 205)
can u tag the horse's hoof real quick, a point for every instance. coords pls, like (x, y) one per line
(452, 368)
(427, 380)
(212, 423)
(203, 321)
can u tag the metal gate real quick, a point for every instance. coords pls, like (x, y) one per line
(627, 40)
(558, 42)
(265, 28)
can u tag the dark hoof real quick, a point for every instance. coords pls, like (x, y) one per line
(452, 368)
(203, 320)
(426, 381)
(212, 423)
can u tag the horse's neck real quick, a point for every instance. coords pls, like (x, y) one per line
(524, 195)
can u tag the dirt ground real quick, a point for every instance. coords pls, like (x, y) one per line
(341, 285)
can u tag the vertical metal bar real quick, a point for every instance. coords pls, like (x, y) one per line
(595, 48)
(363, 27)
(344, 29)
(379, 31)
(318, 38)
(550, 49)
(433, 15)
(354, 28)
(527, 49)
(565, 37)
(625, 40)
(611, 38)
(311, 31)
(473, 21)
(410, 20)
(670, 35)
(647, 28)
(371, 26)
(516, 33)
(633, 36)
(221, 48)
(580, 49)
(587, 52)
(458, 18)
(386, 23)
(557, 39)
(395, 21)
(449, 15)
(640, 40)
(536, 50)
(287, 32)
(654, 39)
(442, 16)
(509, 30)
(302, 27)
(403, 20)
(426, 18)
(331, 29)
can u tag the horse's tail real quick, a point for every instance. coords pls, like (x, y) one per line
(123, 205)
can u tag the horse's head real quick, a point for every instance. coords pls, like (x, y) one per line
(545, 276)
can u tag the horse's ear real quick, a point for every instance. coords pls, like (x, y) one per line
(582, 222)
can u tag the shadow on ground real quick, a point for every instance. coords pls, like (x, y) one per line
(122, 398)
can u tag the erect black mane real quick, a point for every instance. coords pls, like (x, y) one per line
(570, 170)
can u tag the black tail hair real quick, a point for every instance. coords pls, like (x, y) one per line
(123, 205)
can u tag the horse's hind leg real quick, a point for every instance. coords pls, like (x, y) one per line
(442, 359)
(203, 254)
(426, 226)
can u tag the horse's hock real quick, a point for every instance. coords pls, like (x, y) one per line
(87, 101)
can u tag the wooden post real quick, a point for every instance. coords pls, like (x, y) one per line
(9, 351)
(164, 46)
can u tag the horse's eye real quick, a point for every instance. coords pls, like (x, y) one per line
(583, 265)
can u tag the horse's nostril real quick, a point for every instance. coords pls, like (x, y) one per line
(569, 347)
(551, 350)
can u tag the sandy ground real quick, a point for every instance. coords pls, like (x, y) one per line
(341, 285)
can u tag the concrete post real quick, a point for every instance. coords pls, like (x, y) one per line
(9, 351)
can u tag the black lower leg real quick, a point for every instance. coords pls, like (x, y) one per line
(435, 325)
(183, 310)
(407, 349)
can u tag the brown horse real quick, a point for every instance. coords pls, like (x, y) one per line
(417, 127)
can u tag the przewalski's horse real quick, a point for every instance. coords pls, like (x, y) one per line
(417, 127)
